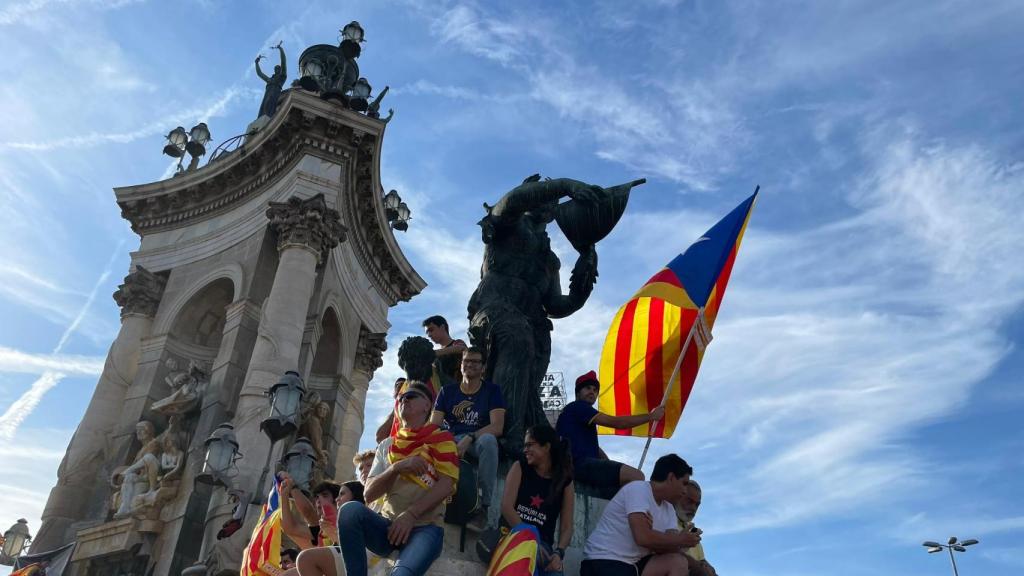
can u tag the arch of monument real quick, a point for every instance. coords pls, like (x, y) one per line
(223, 297)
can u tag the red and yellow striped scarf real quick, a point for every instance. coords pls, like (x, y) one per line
(434, 445)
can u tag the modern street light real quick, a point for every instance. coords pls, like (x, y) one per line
(952, 546)
(193, 142)
(15, 539)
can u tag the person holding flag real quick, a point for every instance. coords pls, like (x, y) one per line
(578, 424)
(413, 473)
(263, 553)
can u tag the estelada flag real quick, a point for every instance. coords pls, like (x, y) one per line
(516, 553)
(650, 331)
(262, 556)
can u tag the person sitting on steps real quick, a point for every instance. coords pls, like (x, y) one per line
(474, 412)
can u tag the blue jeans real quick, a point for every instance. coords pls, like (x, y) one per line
(540, 559)
(361, 529)
(485, 450)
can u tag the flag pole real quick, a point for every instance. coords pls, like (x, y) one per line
(671, 384)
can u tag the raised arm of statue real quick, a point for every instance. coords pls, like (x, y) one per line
(259, 72)
(581, 284)
(284, 63)
(535, 193)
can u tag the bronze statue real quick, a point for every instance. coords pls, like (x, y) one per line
(274, 83)
(520, 290)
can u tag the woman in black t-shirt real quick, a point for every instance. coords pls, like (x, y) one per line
(539, 490)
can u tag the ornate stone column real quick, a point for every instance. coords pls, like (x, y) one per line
(306, 231)
(369, 354)
(139, 297)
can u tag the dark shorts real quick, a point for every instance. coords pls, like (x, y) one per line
(613, 567)
(601, 475)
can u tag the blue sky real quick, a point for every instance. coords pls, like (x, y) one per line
(861, 392)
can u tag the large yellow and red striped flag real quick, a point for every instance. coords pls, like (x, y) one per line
(262, 556)
(516, 553)
(651, 330)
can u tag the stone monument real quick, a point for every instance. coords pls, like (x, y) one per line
(279, 256)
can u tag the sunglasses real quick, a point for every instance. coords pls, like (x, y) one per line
(412, 394)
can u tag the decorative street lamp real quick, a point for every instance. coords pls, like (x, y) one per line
(391, 203)
(359, 101)
(194, 142)
(285, 397)
(952, 546)
(299, 462)
(352, 32)
(402, 220)
(221, 454)
(15, 540)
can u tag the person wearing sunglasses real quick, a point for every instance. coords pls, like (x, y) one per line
(413, 474)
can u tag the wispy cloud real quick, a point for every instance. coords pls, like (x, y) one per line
(16, 361)
(19, 11)
(23, 407)
(159, 126)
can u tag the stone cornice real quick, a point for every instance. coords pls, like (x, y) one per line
(303, 125)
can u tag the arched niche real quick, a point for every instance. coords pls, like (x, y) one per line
(328, 349)
(200, 322)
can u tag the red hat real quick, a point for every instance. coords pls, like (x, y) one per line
(588, 379)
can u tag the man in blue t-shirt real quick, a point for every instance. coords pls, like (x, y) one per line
(474, 412)
(578, 424)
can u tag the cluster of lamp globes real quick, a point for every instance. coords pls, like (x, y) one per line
(396, 211)
(192, 142)
(219, 464)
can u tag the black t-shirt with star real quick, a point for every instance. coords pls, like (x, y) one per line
(534, 502)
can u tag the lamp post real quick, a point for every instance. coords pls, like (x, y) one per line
(221, 455)
(15, 539)
(391, 202)
(402, 220)
(285, 402)
(952, 545)
(299, 462)
(192, 142)
(360, 99)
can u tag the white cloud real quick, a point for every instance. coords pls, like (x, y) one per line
(17, 12)
(17, 361)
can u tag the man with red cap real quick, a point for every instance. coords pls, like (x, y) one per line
(578, 424)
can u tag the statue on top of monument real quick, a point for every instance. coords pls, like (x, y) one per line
(274, 82)
(520, 288)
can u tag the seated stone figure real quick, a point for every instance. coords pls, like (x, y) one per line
(153, 478)
(413, 474)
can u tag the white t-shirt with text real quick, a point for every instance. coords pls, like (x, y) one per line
(612, 539)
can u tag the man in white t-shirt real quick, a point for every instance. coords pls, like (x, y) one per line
(638, 533)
